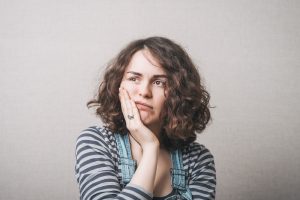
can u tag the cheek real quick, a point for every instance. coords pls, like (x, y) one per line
(160, 96)
(162, 103)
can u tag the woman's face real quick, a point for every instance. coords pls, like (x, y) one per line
(145, 82)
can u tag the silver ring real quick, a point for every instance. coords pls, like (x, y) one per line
(130, 117)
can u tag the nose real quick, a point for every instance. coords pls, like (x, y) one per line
(145, 90)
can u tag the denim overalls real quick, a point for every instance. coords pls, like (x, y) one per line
(128, 166)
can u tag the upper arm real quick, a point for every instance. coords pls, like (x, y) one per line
(95, 170)
(203, 178)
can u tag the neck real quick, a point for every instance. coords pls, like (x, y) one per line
(155, 129)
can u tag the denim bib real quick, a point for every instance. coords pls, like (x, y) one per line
(128, 166)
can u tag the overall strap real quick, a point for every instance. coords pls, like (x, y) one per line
(126, 164)
(179, 175)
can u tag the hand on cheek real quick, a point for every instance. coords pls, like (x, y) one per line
(128, 106)
(137, 129)
(126, 88)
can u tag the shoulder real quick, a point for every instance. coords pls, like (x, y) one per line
(196, 155)
(95, 136)
(196, 149)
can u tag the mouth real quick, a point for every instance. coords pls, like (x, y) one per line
(143, 106)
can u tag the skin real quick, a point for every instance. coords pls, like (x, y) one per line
(142, 95)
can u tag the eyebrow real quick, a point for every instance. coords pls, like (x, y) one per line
(154, 76)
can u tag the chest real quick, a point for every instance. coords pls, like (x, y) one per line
(163, 179)
(164, 176)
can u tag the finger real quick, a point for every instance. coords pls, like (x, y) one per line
(131, 106)
(123, 106)
(129, 113)
(122, 101)
(135, 110)
(127, 102)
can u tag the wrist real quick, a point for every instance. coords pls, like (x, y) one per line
(151, 147)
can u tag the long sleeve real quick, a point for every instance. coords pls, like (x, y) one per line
(95, 170)
(203, 178)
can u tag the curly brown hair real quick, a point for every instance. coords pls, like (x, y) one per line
(186, 109)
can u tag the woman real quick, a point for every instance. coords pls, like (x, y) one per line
(152, 102)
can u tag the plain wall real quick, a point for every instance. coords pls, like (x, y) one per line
(53, 52)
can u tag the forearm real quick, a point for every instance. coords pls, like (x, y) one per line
(144, 175)
(95, 170)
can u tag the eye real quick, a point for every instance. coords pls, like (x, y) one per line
(160, 83)
(132, 79)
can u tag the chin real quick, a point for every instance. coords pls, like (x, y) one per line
(146, 119)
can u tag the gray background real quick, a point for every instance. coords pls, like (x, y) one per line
(52, 54)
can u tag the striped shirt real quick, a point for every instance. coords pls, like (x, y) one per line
(98, 175)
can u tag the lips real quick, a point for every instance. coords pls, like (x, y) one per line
(143, 106)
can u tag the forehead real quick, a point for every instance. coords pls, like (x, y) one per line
(143, 62)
